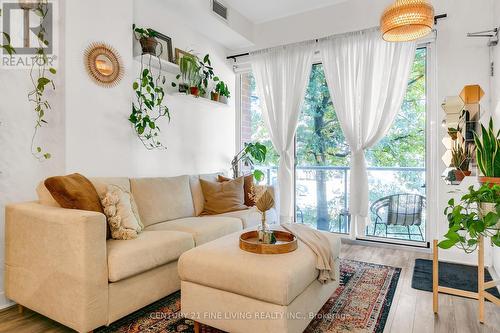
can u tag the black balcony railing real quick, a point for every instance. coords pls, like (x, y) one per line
(322, 200)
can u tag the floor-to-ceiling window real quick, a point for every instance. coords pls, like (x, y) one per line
(396, 165)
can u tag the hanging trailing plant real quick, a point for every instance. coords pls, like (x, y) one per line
(41, 77)
(148, 108)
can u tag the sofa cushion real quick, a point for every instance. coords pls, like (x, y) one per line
(248, 188)
(223, 197)
(162, 199)
(197, 192)
(149, 250)
(272, 278)
(252, 217)
(203, 229)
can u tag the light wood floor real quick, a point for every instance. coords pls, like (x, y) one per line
(411, 310)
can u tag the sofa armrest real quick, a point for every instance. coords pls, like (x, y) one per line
(55, 263)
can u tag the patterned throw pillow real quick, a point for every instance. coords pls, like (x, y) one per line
(119, 210)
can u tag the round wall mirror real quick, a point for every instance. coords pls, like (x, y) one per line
(103, 64)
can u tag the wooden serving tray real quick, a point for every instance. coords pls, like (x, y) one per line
(285, 242)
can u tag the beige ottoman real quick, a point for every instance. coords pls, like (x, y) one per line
(237, 291)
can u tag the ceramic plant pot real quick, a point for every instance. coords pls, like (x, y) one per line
(195, 91)
(490, 180)
(214, 96)
(149, 45)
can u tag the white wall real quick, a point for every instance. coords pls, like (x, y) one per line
(459, 61)
(19, 170)
(100, 140)
(88, 130)
(496, 103)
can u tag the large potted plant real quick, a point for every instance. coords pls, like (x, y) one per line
(488, 154)
(476, 215)
(251, 153)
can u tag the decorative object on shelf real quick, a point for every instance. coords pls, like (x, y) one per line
(461, 118)
(285, 242)
(41, 77)
(461, 156)
(251, 152)
(206, 72)
(103, 64)
(488, 154)
(407, 20)
(265, 202)
(166, 46)
(149, 108)
(223, 91)
(147, 39)
(188, 67)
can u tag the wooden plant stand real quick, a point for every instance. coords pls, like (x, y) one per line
(481, 295)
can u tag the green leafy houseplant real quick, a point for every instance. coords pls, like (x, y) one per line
(476, 215)
(488, 153)
(41, 78)
(148, 108)
(147, 39)
(251, 153)
(222, 89)
(188, 67)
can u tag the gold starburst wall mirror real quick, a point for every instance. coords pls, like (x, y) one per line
(103, 64)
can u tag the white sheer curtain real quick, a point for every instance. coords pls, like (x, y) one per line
(367, 78)
(281, 75)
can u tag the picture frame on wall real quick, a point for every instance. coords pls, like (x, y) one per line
(166, 46)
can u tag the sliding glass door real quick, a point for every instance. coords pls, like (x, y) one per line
(396, 165)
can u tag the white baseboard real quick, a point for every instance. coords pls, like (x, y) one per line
(4, 301)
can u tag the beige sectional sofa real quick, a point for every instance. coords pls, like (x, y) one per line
(59, 263)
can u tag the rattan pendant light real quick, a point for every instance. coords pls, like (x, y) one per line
(407, 20)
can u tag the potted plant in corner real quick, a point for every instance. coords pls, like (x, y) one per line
(488, 154)
(461, 155)
(251, 153)
(146, 38)
(477, 215)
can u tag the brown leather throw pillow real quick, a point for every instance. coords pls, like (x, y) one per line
(75, 192)
(223, 197)
(247, 187)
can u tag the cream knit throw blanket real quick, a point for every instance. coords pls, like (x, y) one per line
(320, 245)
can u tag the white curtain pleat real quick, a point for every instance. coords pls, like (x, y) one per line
(281, 76)
(367, 78)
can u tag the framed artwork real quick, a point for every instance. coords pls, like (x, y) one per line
(166, 46)
(179, 54)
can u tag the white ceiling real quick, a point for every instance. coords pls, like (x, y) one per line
(259, 11)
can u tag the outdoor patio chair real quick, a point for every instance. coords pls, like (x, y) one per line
(399, 210)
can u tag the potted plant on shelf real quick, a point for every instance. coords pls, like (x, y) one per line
(251, 153)
(477, 215)
(488, 154)
(461, 156)
(188, 67)
(223, 91)
(214, 94)
(147, 39)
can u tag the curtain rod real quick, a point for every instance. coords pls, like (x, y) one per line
(235, 56)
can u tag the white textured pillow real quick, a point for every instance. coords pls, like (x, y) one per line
(119, 211)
